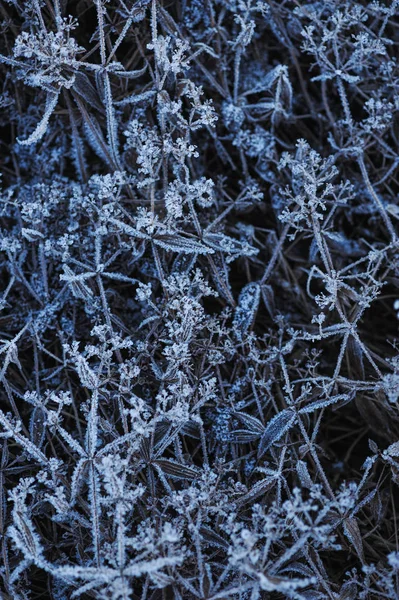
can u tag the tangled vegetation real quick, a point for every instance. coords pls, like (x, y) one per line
(199, 375)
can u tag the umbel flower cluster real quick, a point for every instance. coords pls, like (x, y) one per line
(199, 265)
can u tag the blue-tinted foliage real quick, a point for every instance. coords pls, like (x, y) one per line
(199, 374)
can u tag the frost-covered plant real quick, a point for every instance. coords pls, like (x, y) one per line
(199, 336)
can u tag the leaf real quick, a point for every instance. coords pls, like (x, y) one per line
(297, 567)
(355, 356)
(366, 500)
(94, 134)
(78, 476)
(112, 127)
(162, 431)
(136, 98)
(349, 591)
(36, 136)
(248, 304)
(132, 74)
(313, 251)
(37, 426)
(275, 430)
(268, 299)
(392, 450)
(257, 490)
(373, 446)
(176, 470)
(191, 429)
(322, 403)
(145, 450)
(352, 532)
(378, 420)
(32, 235)
(252, 423)
(177, 243)
(303, 474)
(87, 91)
(243, 436)
(213, 538)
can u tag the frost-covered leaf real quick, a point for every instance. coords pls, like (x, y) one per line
(252, 423)
(303, 474)
(318, 404)
(352, 532)
(38, 133)
(247, 307)
(258, 489)
(275, 429)
(175, 470)
(178, 243)
(243, 436)
(84, 88)
(37, 426)
(211, 537)
(393, 449)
